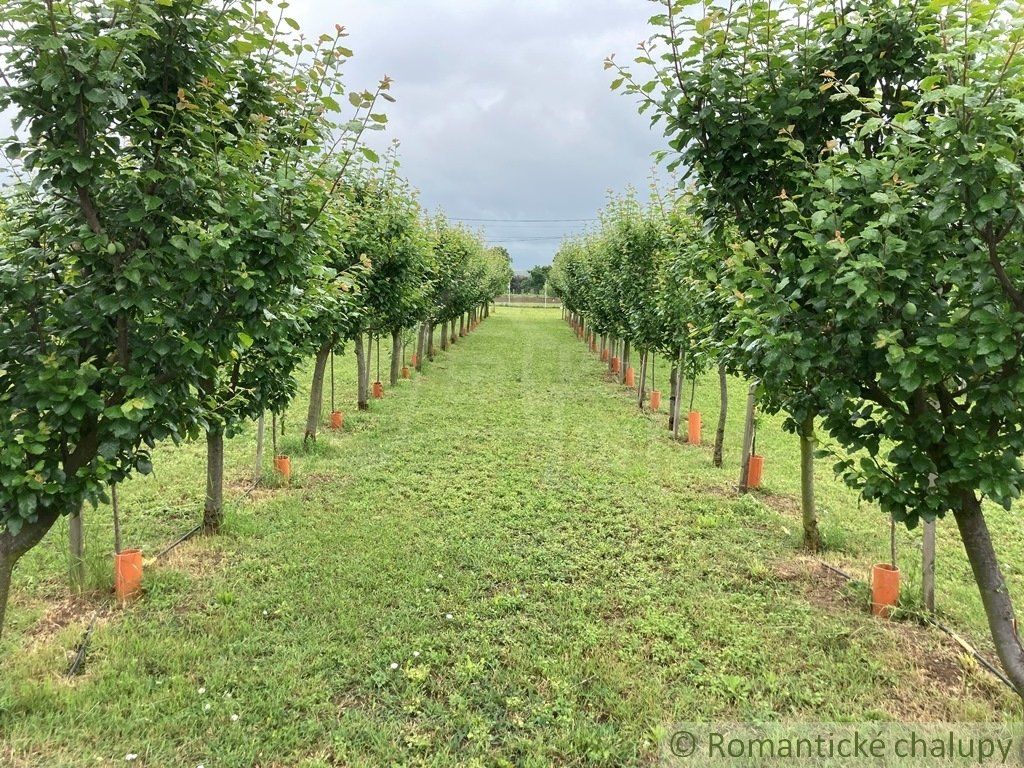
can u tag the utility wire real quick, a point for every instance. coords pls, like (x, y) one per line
(525, 221)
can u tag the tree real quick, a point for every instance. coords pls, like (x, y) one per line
(520, 283)
(537, 279)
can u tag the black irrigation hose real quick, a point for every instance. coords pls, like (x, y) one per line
(939, 625)
(178, 541)
(190, 533)
(83, 647)
(971, 650)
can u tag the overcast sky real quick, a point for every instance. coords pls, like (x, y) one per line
(504, 109)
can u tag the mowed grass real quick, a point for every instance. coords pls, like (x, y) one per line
(502, 563)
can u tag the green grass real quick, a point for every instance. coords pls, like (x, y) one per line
(555, 580)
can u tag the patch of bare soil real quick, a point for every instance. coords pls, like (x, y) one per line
(939, 672)
(191, 556)
(64, 613)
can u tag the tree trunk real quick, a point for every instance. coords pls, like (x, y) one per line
(213, 511)
(444, 336)
(809, 512)
(261, 425)
(462, 325)
(430, 341)
(994, 593)
(487, 309)
(362, 364)
(748, 437)
(316, 392)
(421, 346)
(13, 547)
(643, 379)
(396, 356)
(723, 411)
(625, 361)
(680, 381)
(76, 536)
(928, 567)
(674, 380)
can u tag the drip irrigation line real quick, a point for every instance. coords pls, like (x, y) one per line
(83, 647)
(970, 649)
(192, 532)
(178, 541)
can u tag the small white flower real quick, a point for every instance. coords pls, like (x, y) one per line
(234, 718)
(394, 665)
(200, 766)
(227, 694)
(131, 757)
(416, 654)
(266, 613)
(206, 707)
(449, 616)
(202, 691)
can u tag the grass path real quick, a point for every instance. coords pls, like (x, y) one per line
(555, 581)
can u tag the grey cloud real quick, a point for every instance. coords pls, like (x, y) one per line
(504, 109)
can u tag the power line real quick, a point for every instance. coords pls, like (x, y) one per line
(524, 221)
(524, 239)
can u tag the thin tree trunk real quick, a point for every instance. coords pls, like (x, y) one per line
(643, 379)
(808, 509)
(261, 426)
(928, 567)
(362, 363)
(115, 508)
(680, 380)
(213, 510)
(430, 342)
(396, 356)
(674, 380)
(462, 325)
(316, 392)
(625, 361)
(723, 411)
(748, 437)
(995, 595)
(444, 336)
(421, 346)
(273, 434)
(76, 535)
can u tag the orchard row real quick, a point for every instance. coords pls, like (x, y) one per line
(851, 238)
(189, 219)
